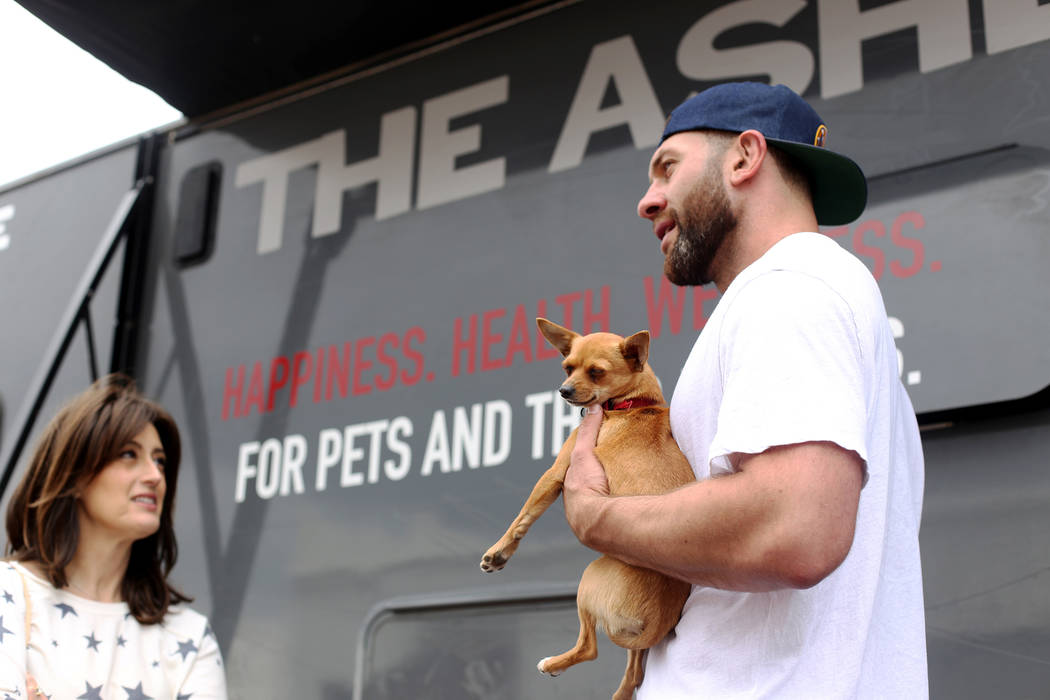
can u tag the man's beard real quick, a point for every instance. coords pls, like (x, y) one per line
(704, 221)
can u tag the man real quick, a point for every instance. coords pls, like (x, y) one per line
(803, 549)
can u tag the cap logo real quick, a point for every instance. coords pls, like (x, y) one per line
(822, 135)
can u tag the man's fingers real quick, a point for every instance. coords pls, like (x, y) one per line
(588, 431)
(585, 471)
(585, 481)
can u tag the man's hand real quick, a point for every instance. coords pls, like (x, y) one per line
(586, 487)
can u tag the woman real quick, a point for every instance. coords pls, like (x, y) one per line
(86, 608)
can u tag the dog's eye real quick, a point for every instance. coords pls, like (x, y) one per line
(568, 370)
(596, 373)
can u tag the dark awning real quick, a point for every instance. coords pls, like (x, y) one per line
(203, 55)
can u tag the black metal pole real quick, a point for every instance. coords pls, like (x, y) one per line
(133, 276)
(90, 332)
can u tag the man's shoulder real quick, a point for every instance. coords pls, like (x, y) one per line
(816, 257)
(812, 252)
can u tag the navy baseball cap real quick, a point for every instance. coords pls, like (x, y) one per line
(839, 188)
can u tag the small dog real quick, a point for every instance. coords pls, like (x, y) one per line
(637, 607)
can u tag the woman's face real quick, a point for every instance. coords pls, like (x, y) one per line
(125, 499)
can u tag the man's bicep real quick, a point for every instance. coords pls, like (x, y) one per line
(813, 490)
(809, 470)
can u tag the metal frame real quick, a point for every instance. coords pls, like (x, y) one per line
(130, 222)
(77, 311)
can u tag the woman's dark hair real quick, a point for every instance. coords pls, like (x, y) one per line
(86, 435)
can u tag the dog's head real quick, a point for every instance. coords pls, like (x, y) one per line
(600, 366)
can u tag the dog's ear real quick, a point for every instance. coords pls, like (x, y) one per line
(636, 350)
(560, 338)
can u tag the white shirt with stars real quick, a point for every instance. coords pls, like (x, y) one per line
(87, 650)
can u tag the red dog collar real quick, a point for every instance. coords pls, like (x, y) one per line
(627, 404)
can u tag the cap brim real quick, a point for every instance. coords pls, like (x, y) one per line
(839, 188)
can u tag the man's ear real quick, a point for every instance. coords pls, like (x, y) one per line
(561, 338)
(748, 152)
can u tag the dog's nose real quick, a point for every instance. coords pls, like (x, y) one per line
(567, 391)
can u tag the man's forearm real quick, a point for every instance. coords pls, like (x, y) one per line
(784, 520)
(702, 533)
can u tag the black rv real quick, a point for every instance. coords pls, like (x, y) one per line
(329, 274)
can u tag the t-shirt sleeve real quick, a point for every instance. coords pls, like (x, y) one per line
(791, 367)
(206, 679)
(12, 634)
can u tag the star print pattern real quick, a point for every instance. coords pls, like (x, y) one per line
(91, 692)
(185, 648)
(136, 693)
(179, 659)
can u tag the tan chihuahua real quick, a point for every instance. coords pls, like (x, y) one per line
(637, 607)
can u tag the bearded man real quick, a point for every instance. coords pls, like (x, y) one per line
(800, 536)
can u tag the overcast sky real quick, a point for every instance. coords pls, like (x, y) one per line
(58, 102)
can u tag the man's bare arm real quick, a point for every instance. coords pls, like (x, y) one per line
(784, 519)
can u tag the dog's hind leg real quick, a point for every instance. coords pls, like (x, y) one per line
(632, 676)
(586, 648)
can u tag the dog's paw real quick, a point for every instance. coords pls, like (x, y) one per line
(544, 671)
(494, 560)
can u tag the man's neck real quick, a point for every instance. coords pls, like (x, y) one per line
(751, 240)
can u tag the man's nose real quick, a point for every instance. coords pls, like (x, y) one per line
(651, 203)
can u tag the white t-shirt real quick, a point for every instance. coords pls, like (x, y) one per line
(799, 349)
(80, 648)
